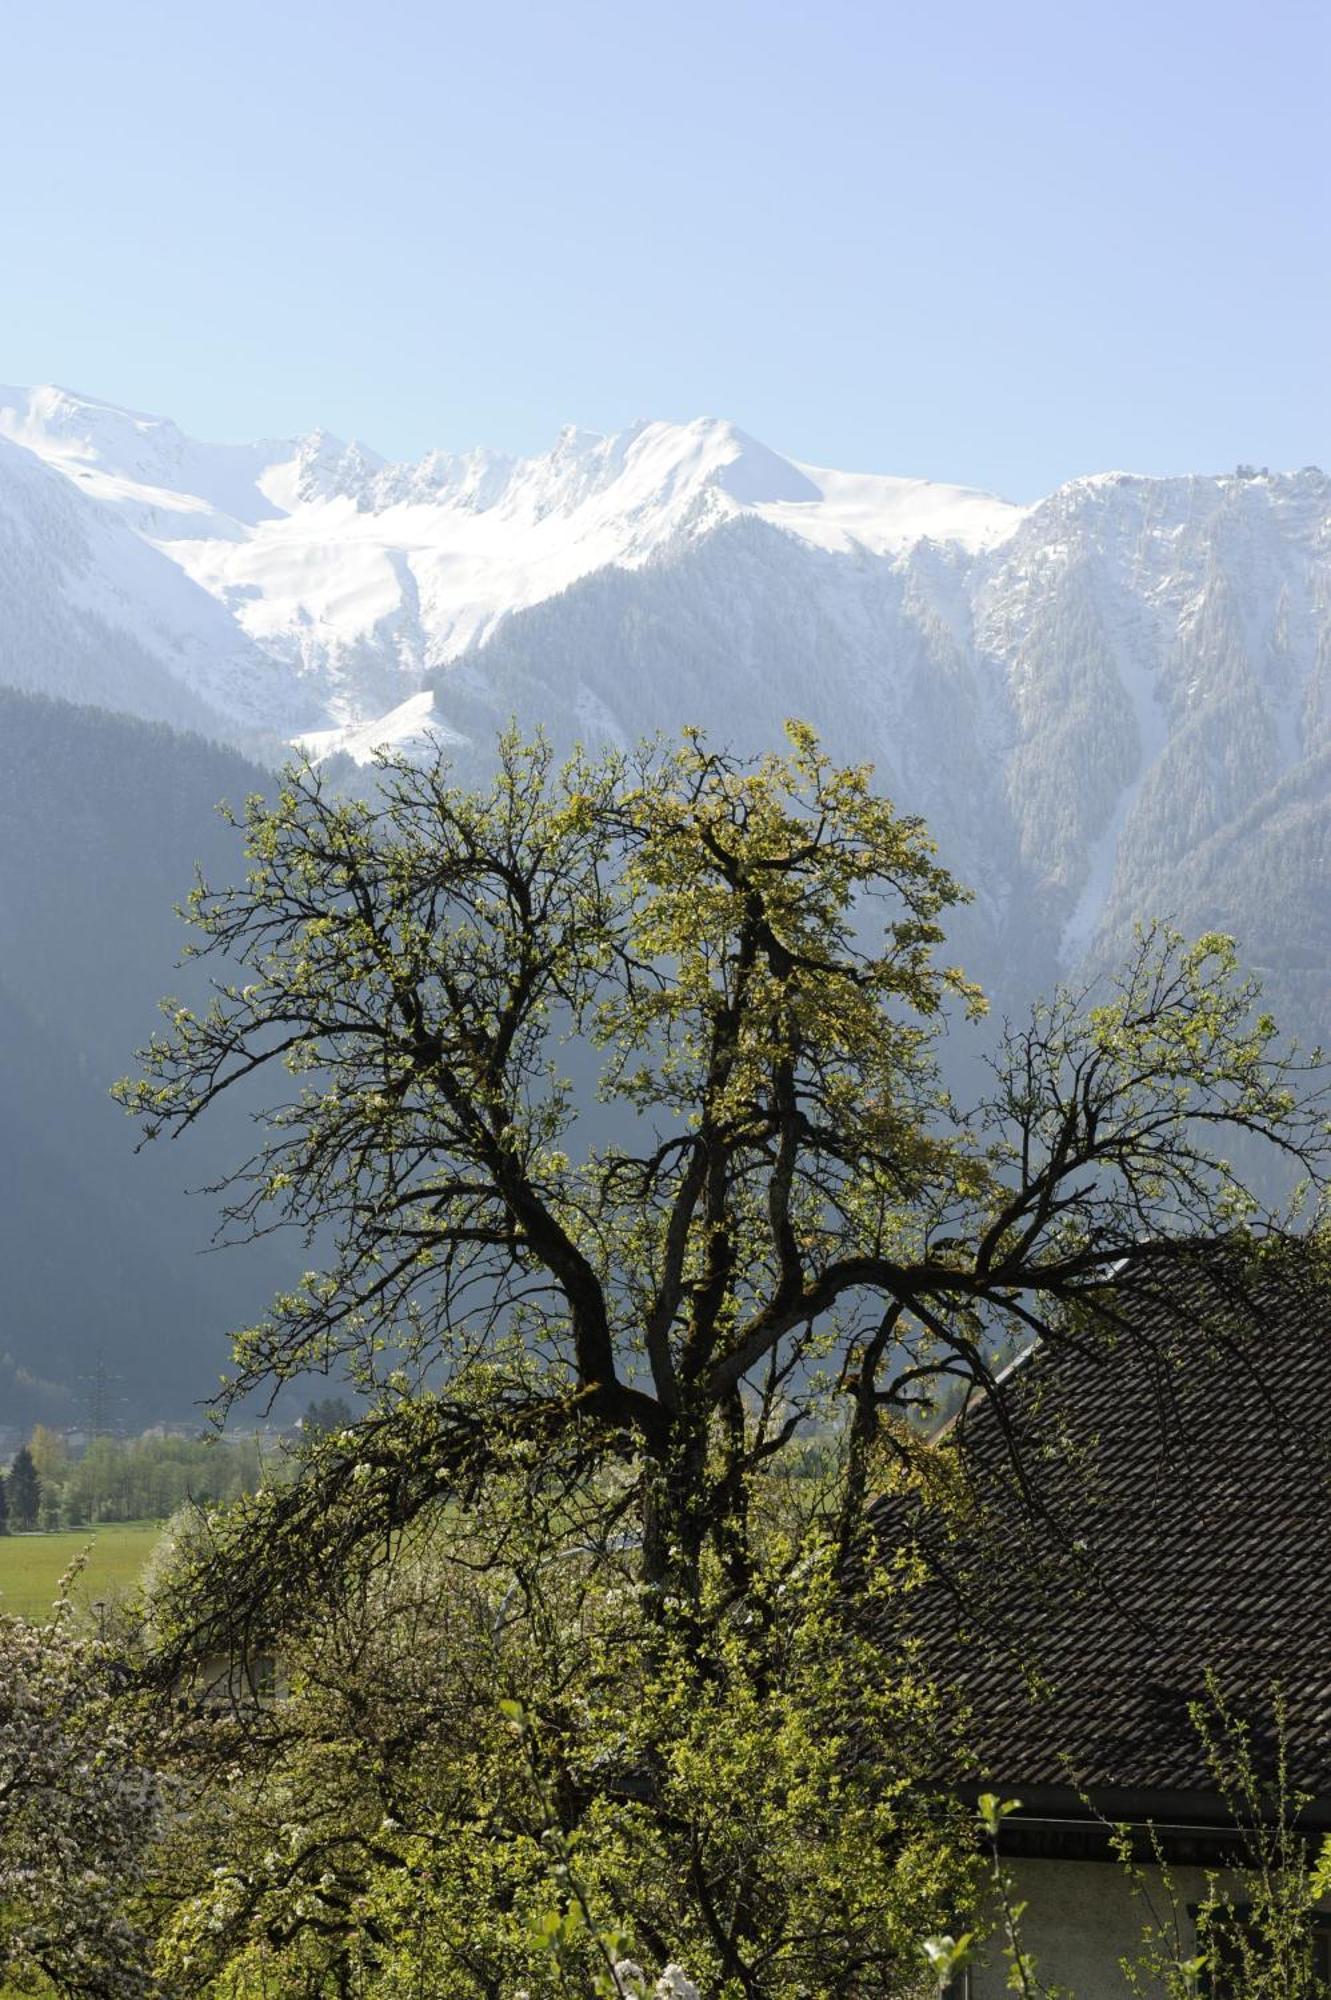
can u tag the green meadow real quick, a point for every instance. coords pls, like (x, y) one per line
(31, 1565)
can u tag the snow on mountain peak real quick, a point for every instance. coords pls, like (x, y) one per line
(357, 576)
(162, 481)
(80, 427)
(1075, 693)
(324, 468)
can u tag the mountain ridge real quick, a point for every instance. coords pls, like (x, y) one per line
(1080, 694)
(430, 557)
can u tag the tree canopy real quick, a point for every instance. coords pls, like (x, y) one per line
(783, 1200)
(611, 1097)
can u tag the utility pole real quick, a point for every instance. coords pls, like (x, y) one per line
(101, 1402)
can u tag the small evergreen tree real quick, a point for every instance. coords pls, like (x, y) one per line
(25, 1490)
(4, 1510)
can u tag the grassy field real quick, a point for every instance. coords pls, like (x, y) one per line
(31, 1565)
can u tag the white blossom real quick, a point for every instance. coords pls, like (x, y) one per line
(675, 1984)
(78, 1813)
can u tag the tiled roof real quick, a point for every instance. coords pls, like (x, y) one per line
(1180, 1522)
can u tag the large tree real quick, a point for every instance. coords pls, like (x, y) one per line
(611, 1098)
(739, 960)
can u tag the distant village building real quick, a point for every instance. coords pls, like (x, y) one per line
(1175, 1546)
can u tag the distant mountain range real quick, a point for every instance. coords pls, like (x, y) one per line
(1080, 694)
(1113, 703)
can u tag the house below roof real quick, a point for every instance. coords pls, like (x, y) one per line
(1145, 1569)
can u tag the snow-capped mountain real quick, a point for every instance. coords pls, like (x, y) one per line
(1086, 697)
(356, 578)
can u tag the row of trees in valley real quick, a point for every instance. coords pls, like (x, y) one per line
(614, 1087)
(123, 1479)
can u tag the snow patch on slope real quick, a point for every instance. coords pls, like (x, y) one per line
(869, 510)
(1140, 682)
(74, 574)
(414, 725)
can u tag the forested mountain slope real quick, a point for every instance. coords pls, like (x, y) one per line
(1122, 712)
(101, 818)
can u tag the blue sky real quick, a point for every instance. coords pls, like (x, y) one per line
(997, 244)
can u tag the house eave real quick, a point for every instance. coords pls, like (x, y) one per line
(1060, 1822)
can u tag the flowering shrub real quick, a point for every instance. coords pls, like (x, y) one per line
(78, 1813)
(502, 1769)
